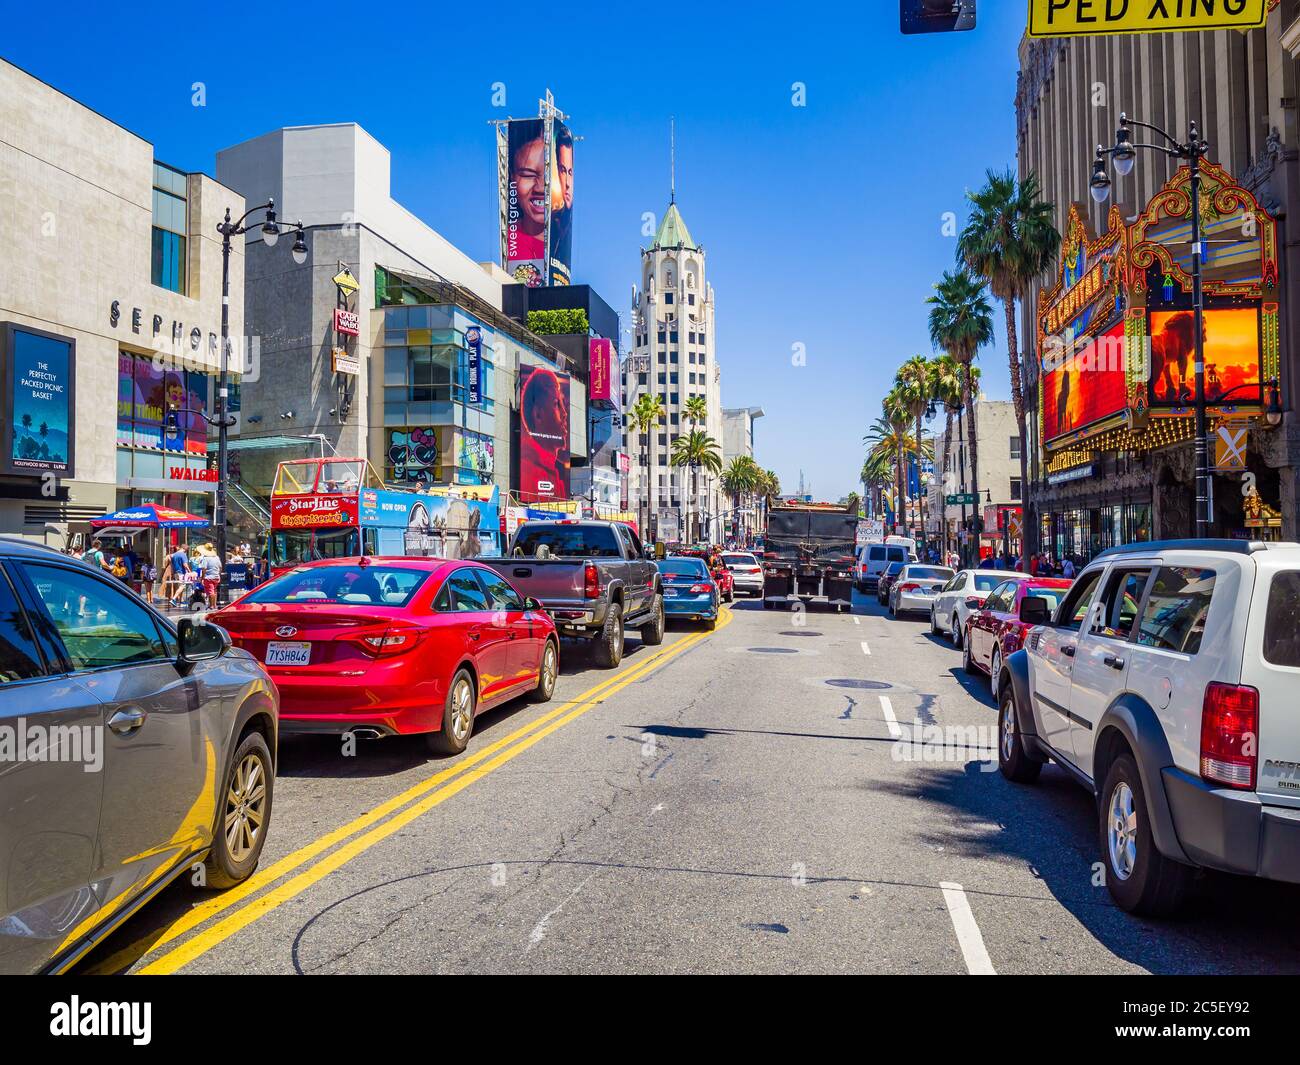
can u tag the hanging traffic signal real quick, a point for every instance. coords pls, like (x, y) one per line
(936, 16)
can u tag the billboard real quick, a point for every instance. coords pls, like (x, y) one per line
(1082, 387)
(543, 434)
(39, 388)
(535, 179)
(600, 369)
(1232, 350)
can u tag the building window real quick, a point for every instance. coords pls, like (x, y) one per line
(675, 356)
(662, 336)
(673, 336)
(663, 378)
(672, 378)
(1015, 488)
(668, 297)
(169, 228)
(690, 298)
(1015, 451)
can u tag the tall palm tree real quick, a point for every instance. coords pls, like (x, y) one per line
(768, 490)
(696, 449)
(913, 384)
(961, 322)
(1010, 240)
(877, 469)
(695, 410)
(645, 414)
(899, 415)
(739, 480)
(945, 385)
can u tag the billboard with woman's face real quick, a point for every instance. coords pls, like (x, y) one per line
(543, 434)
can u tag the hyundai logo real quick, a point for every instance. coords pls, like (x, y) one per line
(286, 631)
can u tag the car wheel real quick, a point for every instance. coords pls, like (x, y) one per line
(457, 716)
(995, 664)
(546, 674)
(967, 663)
(609, 644)
(1013, 760)
(934, 623)
(652, 635)
(710, 624)
(731, 595)
(955, 632)
(1141, 879)
(245, 815)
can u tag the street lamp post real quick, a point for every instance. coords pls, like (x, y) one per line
(270, 234)
(1124, 154)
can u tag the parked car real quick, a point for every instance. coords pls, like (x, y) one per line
(718, 570)
(874, 559)
(592, 578)
(1165, 683)
(181, 728)
(886, 579)
(950, 609)
(393, 646)
(689, 590)
(994, 630)
(916, 586)
(746, 571)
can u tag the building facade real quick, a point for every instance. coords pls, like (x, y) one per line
(674, 357)
(111, 284)
(1112, 457)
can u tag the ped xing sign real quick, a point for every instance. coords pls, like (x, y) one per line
(1083, 18)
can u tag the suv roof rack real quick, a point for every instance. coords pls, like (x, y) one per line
(1234, 547)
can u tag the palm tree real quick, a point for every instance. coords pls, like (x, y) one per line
(646, 413)
(1010, 240)
(696, 449)
(740, 478)
(899, 416)
(695, 410)
(853, 503)
(877, 468)
(961, 322)
(768, 491)
(912, 382)
(945, 386)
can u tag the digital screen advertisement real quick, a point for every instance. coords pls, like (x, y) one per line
(1231, 339)
(1086, 386)
(543, 434)
(39, 388)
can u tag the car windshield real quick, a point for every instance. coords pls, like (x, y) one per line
(683, 567)
(566, 541)
(376, 585)
(986, 582)
(929, 573)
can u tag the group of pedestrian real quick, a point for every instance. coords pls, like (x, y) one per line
(1044, 565)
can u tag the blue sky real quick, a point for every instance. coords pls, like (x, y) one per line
(822, 223)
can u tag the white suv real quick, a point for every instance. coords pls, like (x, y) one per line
(1166, 682)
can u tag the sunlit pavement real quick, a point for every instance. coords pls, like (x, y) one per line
(746, 800)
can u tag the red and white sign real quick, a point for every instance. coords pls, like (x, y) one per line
(313, 512)
(346, 322)
(191, 473)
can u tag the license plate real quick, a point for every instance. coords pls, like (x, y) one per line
(288, 653)
(670, 593)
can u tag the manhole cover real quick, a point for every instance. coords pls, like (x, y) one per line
(799, 633)
(866, 685)
(774, 650)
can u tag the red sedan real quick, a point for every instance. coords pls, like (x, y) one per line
(995, 631)
(388, 646)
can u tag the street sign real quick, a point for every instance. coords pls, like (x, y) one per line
(346, 283)
(1230, 440)
(960, 499)
(1084, 18)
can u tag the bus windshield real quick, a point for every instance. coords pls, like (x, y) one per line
(291, 548)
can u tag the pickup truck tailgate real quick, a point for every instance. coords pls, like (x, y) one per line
(552, 580)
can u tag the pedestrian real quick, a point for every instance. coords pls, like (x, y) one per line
(148, 574)
(209, 570)
(94, 555)
(178, 565)
(1067, 567)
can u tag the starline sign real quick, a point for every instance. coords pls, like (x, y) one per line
(312, 512)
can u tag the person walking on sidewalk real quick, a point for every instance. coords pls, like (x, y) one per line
(209, 567)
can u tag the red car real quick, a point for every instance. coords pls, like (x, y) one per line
(995, 630)
(722, 576)
(388, 646)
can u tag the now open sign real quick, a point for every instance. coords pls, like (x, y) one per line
(1081, 18)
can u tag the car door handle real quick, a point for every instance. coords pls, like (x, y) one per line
(1068, 651)
(512, 634)
(1114, 661)
(474, 634)
(127, 721)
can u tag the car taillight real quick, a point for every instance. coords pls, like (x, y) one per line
(700, 589)
(392, 642)
(591, 581)
(908, 587)
(1229, 734)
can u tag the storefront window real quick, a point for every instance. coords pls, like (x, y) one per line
(146, 392)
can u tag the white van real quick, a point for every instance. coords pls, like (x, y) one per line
(873, 558)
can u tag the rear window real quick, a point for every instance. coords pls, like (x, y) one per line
(1052, 595)
(1174, 618)
(568, 541)
(875, 554)
(897, 554)
(740, 560)
(374, 585)
(1282, 623)
(986, 582)
(929, 573)
(683, 567)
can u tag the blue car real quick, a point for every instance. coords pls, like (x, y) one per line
(689, 590)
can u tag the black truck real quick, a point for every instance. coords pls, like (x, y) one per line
(808, 553)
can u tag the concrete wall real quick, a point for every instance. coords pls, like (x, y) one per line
(76, 221)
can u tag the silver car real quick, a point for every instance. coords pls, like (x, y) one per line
(132, 751)
(916, 586)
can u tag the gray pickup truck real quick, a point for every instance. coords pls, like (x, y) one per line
(592, 578)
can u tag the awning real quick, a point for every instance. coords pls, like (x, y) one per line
(258, 443)
(147, 516)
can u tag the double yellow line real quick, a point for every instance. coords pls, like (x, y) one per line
(407, 805)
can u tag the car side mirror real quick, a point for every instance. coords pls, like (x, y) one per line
(201, 641)
(1034, 611)
(533, 604)
(974, 602)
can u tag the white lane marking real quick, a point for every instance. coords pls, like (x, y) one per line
(539, 929)
(887, 708)
(865, 649)
(968, 932)
(856, 620)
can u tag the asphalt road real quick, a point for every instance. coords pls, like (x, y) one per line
(749, 800)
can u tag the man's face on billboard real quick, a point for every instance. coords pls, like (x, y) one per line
(564, 157)
(529, 176)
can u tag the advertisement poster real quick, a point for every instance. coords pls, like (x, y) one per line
(1086, 387)
(39, 388)
(601, 372)
(543, 434)
(536, 189)
(1231, 356)
(438, 526)
(475, 458)
(474, 346)
(413, 454)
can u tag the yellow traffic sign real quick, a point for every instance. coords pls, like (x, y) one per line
(1083, 18)
(346, 282)
(1230, 446)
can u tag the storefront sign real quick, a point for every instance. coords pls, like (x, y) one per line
(600, 379)
(1076, 474)
(1230, 440)
(345, 361)
(313, 512)
(37, 388)
(346, 322)
(474, 345)
(176, 330)
(1083, 18)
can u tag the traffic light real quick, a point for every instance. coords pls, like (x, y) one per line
(936, 16)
